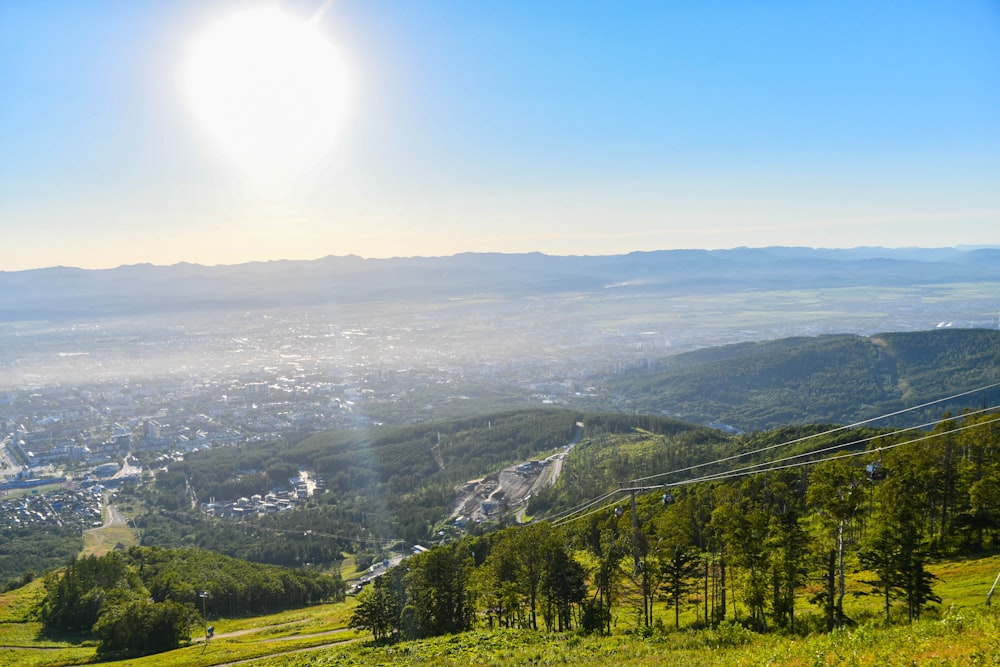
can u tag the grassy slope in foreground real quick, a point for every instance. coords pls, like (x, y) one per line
(22, 643)
(963, 637)
(965, 633)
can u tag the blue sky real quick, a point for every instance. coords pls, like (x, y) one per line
(562, 127)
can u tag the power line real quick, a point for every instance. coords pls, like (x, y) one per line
(378, 541)
(846, 445)
(575, 513)
(816, 435)
(570, 519)
(743, 472)
(584, 505)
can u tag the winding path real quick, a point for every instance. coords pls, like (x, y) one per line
(270, 656)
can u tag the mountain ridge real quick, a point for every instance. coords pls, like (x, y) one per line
(833, 378)
(66, 292)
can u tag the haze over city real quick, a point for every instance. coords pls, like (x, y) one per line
(565, 128)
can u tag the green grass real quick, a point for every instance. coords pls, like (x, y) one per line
(22, 641)
(99, 541)
(962, 631)
(16, 606)
(35, 490)
(16, 657)
(320, 618)
(244, 647)
(349, 568)
(965, 583)
(964, 638)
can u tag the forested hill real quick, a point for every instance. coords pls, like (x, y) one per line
(394, 482)
(827, 379)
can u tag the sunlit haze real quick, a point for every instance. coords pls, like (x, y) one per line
(220, 132)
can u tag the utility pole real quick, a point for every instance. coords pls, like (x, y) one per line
(635, 534)
(204, 612)
(635, 517)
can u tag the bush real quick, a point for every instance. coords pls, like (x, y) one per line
(595, 616)
(140, 627)
(730, 634)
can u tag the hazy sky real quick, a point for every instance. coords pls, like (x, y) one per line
(565, 127)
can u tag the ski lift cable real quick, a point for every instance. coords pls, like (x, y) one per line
(735, 474)
(568, 516)
(745, 472)
(588, 503)
(570, 513)
(583, 506)
(862, 441)
(379, 541)
(572, 518)
(816, 435)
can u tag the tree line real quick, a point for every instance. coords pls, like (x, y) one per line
(41, 547)
(146, 600)
(750, 549)
(524, 578)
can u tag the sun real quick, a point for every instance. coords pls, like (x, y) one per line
(271, 91)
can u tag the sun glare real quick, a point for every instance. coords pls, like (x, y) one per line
(272, 92)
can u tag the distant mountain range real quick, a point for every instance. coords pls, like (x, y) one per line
(62, 293)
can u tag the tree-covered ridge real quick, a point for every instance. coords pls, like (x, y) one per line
(384, 483)
(392, 482)
(833, 378)
(746, 549)
(295, 539)
(406, 458)
(146, 600)
(37, 547)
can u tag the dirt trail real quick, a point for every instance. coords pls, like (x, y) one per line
(270, 640)
(271, 656)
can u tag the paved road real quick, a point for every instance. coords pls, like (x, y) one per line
(112, 517)
(557, 463)
(555, 469)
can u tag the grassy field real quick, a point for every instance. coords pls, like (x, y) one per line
(99, 541)
(22, 642)
(967, 638)
(14, 494)
(960, 631)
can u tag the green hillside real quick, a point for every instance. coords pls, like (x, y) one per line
(703, 557)
(827, 379)
(816, 563)
(966, 634)
(381, 484)
(148, 600)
